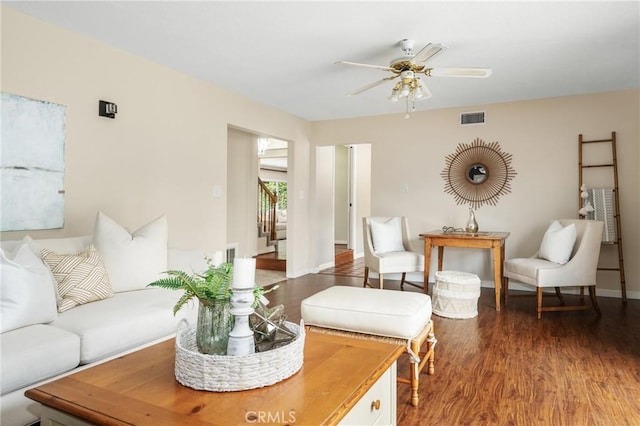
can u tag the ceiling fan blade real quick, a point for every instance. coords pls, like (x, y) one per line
(428, 52)
(379, 67)
(372, 85)
(459, 72)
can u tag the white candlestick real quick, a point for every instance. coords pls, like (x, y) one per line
(241, 340)
(244, 272)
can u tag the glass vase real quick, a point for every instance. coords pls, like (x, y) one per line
(472, 224)
(215, 322)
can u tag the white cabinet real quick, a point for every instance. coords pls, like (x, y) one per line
(378, 405)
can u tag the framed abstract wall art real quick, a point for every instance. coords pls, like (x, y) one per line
(32, 164)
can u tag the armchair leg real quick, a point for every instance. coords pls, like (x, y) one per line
(404, 274)
(560, 296)
(539, 297)
(366, 277)
(381, 280)
(506, 291)
(594, 300)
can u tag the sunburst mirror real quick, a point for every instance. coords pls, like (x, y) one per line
(478, 173)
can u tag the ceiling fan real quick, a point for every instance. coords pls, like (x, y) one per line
(407, 69)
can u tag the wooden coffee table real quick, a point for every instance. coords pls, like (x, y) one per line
(140, 389)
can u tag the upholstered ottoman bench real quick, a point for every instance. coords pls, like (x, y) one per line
(455, 294)
(398, 317)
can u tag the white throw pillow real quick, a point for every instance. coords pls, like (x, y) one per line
(132, 260)
(387, 236)
(557, 243)
(81, 278)
(26, 290)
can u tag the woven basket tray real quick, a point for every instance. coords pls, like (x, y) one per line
(221, 373)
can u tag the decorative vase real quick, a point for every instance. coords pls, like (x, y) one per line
(215, 322)
(472, 224)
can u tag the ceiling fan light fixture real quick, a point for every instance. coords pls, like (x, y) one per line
(426, 93)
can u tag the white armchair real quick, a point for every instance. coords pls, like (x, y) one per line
(388, 249)
(579, 269)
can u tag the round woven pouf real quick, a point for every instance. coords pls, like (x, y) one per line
(455, 294)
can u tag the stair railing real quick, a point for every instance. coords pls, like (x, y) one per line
(267, 202)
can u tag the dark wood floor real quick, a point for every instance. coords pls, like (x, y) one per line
(508, 368)
(277, 260)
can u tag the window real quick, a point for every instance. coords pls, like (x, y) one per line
(280, 190)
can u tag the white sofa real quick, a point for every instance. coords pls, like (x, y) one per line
(88, 333)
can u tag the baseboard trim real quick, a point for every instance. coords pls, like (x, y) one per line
(600, 292)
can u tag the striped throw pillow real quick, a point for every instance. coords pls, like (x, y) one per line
(81, 278)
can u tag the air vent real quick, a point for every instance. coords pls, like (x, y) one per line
(468, 118)
(231, 252)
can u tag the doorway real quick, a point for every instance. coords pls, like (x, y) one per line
(249, 160)
(343, 176)
(272, 204)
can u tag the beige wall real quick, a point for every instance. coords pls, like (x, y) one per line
(164, 152)
(542, 137)
(242, 193)
(324, 200)
(341, 194)
(362, 188)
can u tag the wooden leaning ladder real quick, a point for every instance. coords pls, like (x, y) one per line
(614, 166)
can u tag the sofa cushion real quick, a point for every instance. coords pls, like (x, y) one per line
(34, 353)
(26, 290)
(124, 321)
(132, 260)
(81, 278)
(371, 311)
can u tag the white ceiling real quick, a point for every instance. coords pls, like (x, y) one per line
(283, 54)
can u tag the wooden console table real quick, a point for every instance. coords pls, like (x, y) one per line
(342, 380)
(495, 241)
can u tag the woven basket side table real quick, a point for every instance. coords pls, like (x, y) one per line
(455, 294)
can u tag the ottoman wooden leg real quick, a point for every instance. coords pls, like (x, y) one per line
(426, 359)
(415, 374)
(431, 343)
